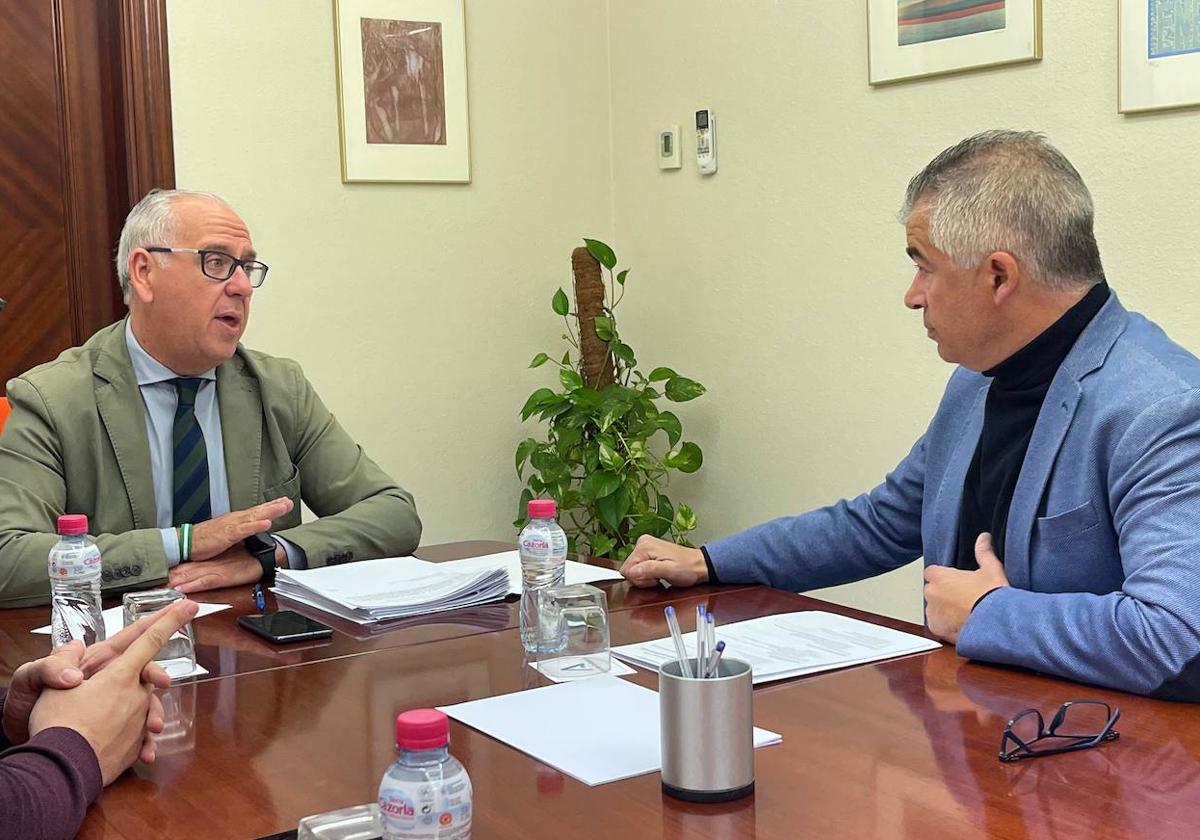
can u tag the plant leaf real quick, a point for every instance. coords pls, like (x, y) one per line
(599, 485)
(522, 504)
(546, 461)
(570, 379)
(687, 458)
(685, 518)
(661, 373)
(560, 304)
(524, 450)
(669, 423)
(604, 328)
(682, 389)
(539, 360)
(624, 352)
(609, 458)
(603, 254)
(666, 515)
(621, 277)
(612, 508)
(536, 400)
(600, 544)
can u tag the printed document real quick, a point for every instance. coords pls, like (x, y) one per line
(790, 645)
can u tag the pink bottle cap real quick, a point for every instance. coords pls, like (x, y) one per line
(72, 523)
(422, 729)
(542, 509)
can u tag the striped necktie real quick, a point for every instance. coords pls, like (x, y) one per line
(190, 473)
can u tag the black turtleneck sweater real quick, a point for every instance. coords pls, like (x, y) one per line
(1019, 385)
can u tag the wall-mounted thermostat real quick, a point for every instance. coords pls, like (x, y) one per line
(668, 148)
(706, 141)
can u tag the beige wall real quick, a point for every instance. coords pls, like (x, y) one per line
(776, 282)
(413, 308)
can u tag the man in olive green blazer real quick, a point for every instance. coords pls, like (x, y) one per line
(78, 438)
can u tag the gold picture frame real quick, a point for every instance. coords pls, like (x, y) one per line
(402, 91)
(1158, 55)
(913, 39)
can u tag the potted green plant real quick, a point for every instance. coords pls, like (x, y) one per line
(608, 448)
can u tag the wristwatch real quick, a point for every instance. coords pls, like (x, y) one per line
(263, 548)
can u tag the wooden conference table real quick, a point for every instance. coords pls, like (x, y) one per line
(904, 748)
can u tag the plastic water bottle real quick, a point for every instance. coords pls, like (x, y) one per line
(75, 584)
(543, 547)
(426, 793)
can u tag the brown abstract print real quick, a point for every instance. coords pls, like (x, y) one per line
(404, 82)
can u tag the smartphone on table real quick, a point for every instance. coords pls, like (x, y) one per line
(285, 626)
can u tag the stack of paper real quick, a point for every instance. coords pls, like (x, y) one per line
(510, 561)
(790, 645)
(389, 588)
(596, 730)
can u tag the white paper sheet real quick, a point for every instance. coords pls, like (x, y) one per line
(178, 669)
(596, 730)
(790, 645)
(511, 562)
(114, 622)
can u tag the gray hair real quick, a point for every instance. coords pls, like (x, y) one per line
(1010, 191)
(152, 222)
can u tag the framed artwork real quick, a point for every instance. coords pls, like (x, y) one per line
(1159, 55)
(402, 90)
(908, 39)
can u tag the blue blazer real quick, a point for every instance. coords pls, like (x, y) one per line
(1105, 586)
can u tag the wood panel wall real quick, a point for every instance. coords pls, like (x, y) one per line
(85, 131)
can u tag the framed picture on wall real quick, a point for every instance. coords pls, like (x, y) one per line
(402, 90)
(908, 39)
(1159, 55)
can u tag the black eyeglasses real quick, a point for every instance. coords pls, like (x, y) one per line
(220, 266)
(1077, 725)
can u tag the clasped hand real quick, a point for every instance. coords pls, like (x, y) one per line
(104, 692)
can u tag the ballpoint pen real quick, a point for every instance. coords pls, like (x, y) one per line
(710, 667)
(260, 600)
(701, 641)
(709, 641)
(685, 667)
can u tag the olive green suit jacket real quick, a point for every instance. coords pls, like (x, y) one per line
(76, 442)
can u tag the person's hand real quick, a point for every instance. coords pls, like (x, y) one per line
(114, 710)
(951, 593)
(216, 536)
(653, 560)
(235, 567)
(61, 669)
(67, 667)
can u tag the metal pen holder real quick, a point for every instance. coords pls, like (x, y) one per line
(707, 731)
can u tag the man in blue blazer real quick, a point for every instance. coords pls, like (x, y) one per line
(1055, 495)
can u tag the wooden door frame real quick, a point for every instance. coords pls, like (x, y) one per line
(116, 135)
(149, 143)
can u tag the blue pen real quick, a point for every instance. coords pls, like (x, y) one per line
(701, 642)
(710, 667)
(260, 600)
(709, 641)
